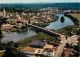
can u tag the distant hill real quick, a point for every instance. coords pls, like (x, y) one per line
(43, 5)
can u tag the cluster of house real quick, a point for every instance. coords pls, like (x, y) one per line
(24, 17)
(38, 47)
(50, 10)
(17, 19)
(7, 27)
(67, 51)
(43, 48)
(71, 11)
(73, 41)
(42, 18)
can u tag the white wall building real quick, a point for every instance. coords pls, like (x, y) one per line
(49, 52)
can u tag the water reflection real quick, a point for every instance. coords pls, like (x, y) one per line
(16, 36)
(58, 24)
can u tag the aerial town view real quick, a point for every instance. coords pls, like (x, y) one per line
(39, 28)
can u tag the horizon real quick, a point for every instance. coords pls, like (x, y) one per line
(37, 1)
(40, 3)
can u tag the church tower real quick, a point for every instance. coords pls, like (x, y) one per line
(4, 11)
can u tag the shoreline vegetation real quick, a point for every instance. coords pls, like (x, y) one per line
(74, 19)
(77, 16)
(40, 36)
(71, 30)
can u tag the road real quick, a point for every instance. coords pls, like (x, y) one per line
(62, 46)
(60, 49)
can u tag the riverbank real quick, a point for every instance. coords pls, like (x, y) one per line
(40, 36)
(74, 17)
(71, 30)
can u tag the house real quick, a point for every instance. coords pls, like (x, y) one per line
(48, 46)
(28, 50)
(59, 38)
(49, 52)
(11, 21)
(37, 43)
(63, 37)
(55, 43)
(67, 52)
(6, 26)
(73, 39)
(39, 52)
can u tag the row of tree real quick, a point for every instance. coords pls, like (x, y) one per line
(11, 49)
(19, 10)
(0, 26)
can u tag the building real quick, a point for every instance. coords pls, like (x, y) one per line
(55, 43)
(28, 50)
(73, 39)
(67, 52)
(4, 11)
(49, 52)
(37, 43)
(11, 21)
(63, 37)
(6, 26)
(39, 52)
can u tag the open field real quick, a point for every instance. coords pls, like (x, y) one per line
(76, 15)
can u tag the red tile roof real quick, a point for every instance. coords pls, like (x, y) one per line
(49, 49)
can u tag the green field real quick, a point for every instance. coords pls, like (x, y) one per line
(67, 30)
(76, 15)
(40, 36)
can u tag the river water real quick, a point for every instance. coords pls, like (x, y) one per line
(16, 36)
(58, 24)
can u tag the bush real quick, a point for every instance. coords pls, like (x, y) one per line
(13, 29)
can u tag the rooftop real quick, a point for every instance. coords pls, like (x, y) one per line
(48, 46)
(36, 42)
(62, 36)
(29, 49)
(49, 49)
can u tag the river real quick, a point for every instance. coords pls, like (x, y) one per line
(58, 24)
(16, 36)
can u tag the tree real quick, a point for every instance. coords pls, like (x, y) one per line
(0, 32)
(0, 21)
(2, 46)
(11, 44)
(29, 21)
(11, 52)
(0, 26)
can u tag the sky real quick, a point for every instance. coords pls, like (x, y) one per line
(37, 1)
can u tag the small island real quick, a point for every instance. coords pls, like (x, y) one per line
(62, 19)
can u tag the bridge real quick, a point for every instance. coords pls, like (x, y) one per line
(45, 30)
